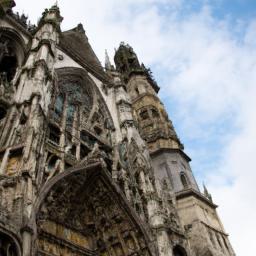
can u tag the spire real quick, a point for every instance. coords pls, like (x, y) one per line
(206, 193)
(107, 61)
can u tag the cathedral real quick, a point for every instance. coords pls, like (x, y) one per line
(90, 163)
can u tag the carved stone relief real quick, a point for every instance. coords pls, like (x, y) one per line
(82, 215)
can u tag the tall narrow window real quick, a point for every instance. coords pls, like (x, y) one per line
(184, 180)
(155, 113)
(8, 60)
(137, 91)
(144, 114)
(70, 114)
(52, 163)
(54, 134)
(59, 105)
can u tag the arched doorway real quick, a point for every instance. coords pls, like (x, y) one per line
(179, 251)
(80, 212)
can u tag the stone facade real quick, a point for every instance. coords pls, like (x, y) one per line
(90, 163)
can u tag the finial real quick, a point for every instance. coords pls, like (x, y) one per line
(55, 5)
(108, 65)
(205, 189)
(206, 193)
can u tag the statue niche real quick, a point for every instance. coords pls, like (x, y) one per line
(8, 60)
(11, 56)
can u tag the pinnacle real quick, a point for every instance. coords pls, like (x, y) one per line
(107, 61)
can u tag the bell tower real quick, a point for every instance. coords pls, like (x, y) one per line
(153, 122)
(196, 210)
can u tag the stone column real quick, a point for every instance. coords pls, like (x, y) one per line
(156, 222)
(4, 161)
(26, 241)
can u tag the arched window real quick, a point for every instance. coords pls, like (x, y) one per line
(179, 251)
(155, 113)
(184, 180)
(70, 114)
(8, 60)
(11, 54)
(7, 246)
(137, 91)
(54, 134)
(144, 114)
(52, 163)
(211, 238)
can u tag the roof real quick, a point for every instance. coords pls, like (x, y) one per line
(75, 43)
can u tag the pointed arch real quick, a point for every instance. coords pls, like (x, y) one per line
(12, 53)
(83, 97)
(90, 213)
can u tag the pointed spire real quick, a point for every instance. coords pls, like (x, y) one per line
(206, 193)
(108, 65)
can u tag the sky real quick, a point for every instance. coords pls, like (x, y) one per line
(203, 56)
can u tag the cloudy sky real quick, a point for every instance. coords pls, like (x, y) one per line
(203, 55)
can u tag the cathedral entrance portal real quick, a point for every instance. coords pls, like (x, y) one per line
(82, 214)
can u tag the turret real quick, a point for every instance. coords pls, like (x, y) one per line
(153, 122)
(170, 163)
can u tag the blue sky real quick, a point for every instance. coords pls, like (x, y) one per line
(203, 55)
(242, 9)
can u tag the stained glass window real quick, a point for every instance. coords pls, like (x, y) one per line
(59, 106)
(70, 114)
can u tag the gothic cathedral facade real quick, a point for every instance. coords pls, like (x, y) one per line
(90, 163)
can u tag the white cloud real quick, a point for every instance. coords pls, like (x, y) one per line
(206, 69)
